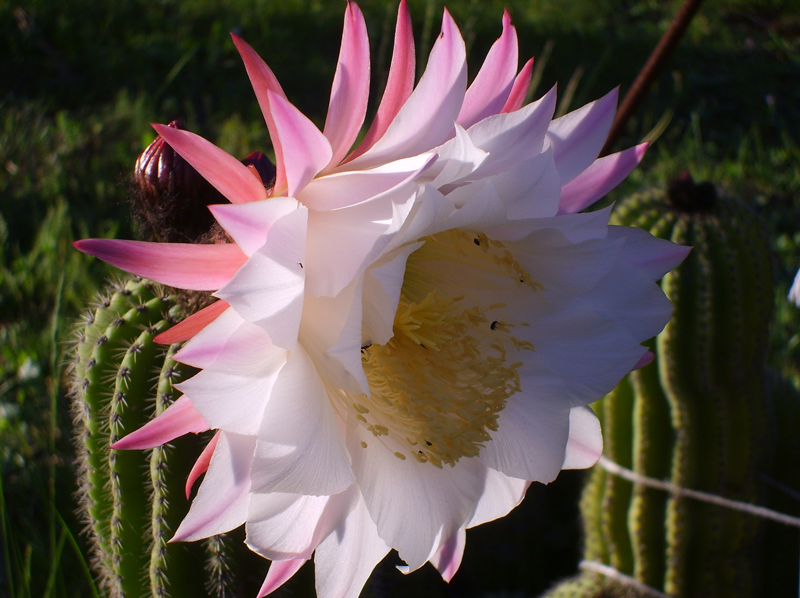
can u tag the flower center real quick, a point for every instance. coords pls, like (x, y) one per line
(438, 386)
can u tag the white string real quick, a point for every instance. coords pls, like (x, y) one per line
(736, 505)
(626, 580)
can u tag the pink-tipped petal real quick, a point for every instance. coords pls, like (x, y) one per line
(201, 465)
(447, 559)
(222, 500)
(426, 119)
(187, 329)
(249, 224)
(399, 85)
(491, 87)
(578, 137)
(178, 419)
(646, 360)
(520, 88)
(585, 444)
(350, 91)
(600, 178)
(279, 573)
(264, 81)
(306, 150)
(181, 265)
(226, 173)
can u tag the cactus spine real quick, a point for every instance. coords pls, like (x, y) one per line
(134, 500)
(695, 416)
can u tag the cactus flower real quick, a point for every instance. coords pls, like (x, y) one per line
(406, 333)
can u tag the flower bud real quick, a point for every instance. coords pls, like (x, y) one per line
(170, 197)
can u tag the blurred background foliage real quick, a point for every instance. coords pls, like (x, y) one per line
(80, 81)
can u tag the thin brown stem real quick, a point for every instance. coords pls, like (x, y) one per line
(651, 70)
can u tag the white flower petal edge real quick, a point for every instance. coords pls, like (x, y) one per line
(408, 335)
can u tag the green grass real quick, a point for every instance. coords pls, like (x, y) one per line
(81, 80)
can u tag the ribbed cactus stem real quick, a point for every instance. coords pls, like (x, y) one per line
(695, 416)
(104, 337)
(129, 469)
(652, 431)
(174, 569)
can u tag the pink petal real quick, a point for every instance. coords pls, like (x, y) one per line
(426, 119)
(585, 444)
(646, 359)
(182, 265)
(226, 173)
(306, 150)
(178, 419)
(578, 137)
(279, 573)
(448, 558)
(264, 81)
(399, 85)
(185, 330)
(201, 465)
(600, 178)
(520, 88)
(350, 92)
(490, 89)
(249, 224)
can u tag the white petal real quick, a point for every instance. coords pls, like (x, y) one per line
(580, 355)
(479, 208)
(585, 443)
(221, 502)
(346, 557)
(382, 284)
(356, 235)
(342, 189)
(653, 256)
(501, 493)
(531, 437)
(235, 400)
(249, 223)
(458, 158)
(530, 189)
(414, 504)
(513, 137)
(331, 334)
(268, 289)
(300, 447)
(282, 526)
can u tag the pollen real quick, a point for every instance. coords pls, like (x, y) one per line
(438, 386)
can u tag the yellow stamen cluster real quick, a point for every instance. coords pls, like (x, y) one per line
(438, 386)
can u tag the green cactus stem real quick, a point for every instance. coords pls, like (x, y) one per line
(696, 416)
(133, 500)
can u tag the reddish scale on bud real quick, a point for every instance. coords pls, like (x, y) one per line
(170, 197)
